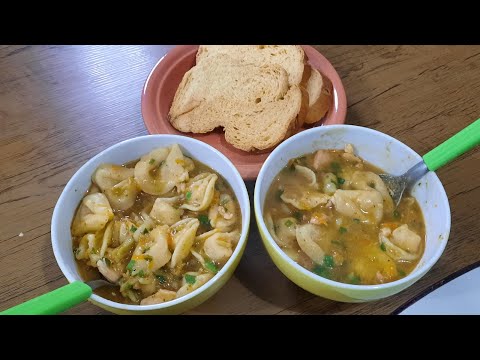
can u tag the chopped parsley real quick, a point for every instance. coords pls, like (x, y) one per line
(188, 195)
(342, 230)
(288, 223)
(383, 247)
(322, 271)
(151, 161)
(210, 266)
(328, 261)
(161, 279)
(298, 215)
(130, 265)
(353, 279)
(204, 220)
(190, 279)
(133, 228)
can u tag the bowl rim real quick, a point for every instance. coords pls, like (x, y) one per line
(258, 209)
(181, 140)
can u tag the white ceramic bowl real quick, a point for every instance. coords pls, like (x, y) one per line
(383, 151)
(131, 150)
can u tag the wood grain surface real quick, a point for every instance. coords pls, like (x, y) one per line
(61, 105)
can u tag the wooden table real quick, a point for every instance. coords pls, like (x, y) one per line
(61, 105)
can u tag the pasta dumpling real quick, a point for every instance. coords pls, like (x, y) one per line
(94, 213)
(200, 192)
(118, 184)
(223, 215)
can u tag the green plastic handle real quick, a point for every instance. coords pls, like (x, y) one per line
(54, 302)
(457, 145)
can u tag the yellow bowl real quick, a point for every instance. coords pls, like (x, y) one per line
(383, 151)
(119, 154)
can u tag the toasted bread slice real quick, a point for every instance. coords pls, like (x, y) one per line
(319, 89)
(222, 76)
(290, 57)
(247, 126)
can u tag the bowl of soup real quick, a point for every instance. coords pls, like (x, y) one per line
(328, 221)
(163, 218)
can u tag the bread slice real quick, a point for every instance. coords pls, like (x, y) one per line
(222, 76)
(290, 57)
(319, 89)
(247, 127)
(254, 104)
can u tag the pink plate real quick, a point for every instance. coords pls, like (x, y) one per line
(163, 81)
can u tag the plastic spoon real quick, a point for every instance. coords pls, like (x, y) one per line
(58, 300)
(447, 151)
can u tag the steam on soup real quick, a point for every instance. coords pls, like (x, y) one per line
(332, 214)
(159, 227)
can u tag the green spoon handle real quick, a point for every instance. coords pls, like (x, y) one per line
(54, 302)
(457, 145)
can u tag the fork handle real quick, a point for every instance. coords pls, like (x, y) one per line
(452, 148)
(54, 302)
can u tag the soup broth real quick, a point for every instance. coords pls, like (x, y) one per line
(332, 214)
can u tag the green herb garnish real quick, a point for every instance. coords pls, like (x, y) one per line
(148, 257)
(298, 215)
(356, 220)
(161, 279)
(342, 230)
(401, 273)
(322, 271)
(288, 223)
(130, 265)
(188, 195)
(204, 220)
(328, 261)
(141, 274)
(145, 231)
(210, 266)
(353, 279)
(151, 161)
(190, 278)
(396, 214)
(133, 228)
(341, 181)
(383, 247)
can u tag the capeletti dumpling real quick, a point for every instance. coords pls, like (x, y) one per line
(159, 228)
(118, 184)
(162, 169)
